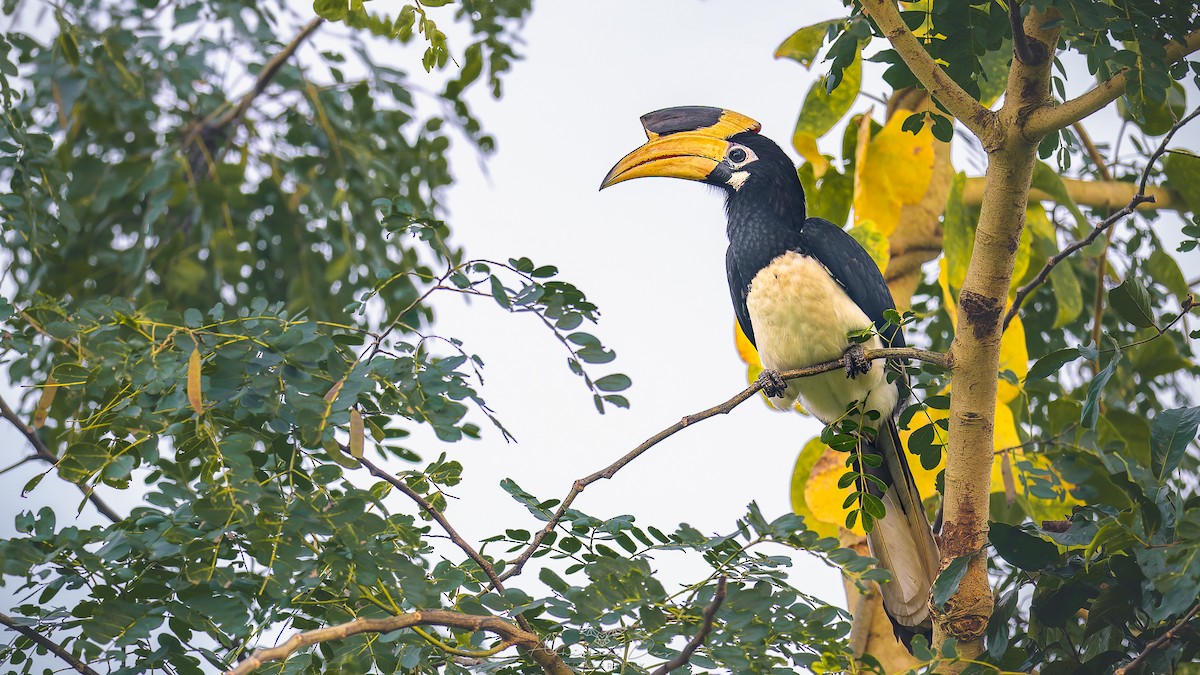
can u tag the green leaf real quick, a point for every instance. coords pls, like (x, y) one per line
(500, 294)
(1047, 180)
(1132, 302)
(1091, 405)
(821, 110)
(1051, 363)
(1170, 433)
(947, 582)
(1183, 174)
(1068, 296)
(1165, 270)
(1021, 548)
(614, 382)
(803, 45)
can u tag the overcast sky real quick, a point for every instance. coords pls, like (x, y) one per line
(650, 253)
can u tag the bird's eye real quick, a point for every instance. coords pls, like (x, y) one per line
(737, 155)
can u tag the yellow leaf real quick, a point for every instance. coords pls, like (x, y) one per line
(1014, 356)
(356, 433)
(871, 239)
(194, 393)
(814, 451)
(806, 145)
(43, 406)
(822, 494)
(892, 170)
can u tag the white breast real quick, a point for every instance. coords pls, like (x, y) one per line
(801, 317)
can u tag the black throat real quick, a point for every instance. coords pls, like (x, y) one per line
(765, 218)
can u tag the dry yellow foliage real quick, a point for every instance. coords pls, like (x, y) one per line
(891, 170)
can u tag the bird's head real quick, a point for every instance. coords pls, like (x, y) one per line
(719, 147)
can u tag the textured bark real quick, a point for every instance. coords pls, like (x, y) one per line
(976, 347)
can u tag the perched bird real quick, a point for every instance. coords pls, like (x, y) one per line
(800, 287)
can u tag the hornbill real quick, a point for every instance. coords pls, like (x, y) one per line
(800, 287)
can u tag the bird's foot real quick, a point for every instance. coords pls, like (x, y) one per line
(856, 361)
(773, 385)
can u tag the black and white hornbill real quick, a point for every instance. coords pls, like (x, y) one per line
(800, 286)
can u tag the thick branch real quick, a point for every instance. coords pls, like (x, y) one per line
(268, 72)
(1049, 119)
(1023, 49)
(514, 567)
(43, 453)
(706, 625)
(1162, 641)
(50, 645)
(962, 105)
(1139, 197)
(1097, 194)
(507, 631)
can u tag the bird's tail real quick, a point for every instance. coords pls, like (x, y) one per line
(902, 540)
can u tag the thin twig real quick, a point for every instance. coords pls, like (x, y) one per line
(949, 93)
(1160, 642)
(514, 567)
(1138, 198)
(546, 658)
(43, 453)
(507, 631)
(1022, 48)
(439, 517)
(684, 656)
(50, 645)
(1102, 263)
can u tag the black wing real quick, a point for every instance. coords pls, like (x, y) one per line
(739, 289)
(852, 267)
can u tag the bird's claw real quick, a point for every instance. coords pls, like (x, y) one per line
(772, 384)
(856, 361)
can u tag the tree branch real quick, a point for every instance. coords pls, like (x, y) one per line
(43, 453)
(962, 105)
(1094, 193)
(706, 625)
(1138, 198)
(50, 645)
(547, 659)
(507, 631)
(1023, 49)
(440, 518)
(1162, 640)
(1052, 118)
(515, 566)
(268, 72)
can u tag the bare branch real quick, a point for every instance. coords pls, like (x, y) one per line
(507, 631)
(50, 645)
(1095, 193)
(1139, 197)
(43, 453)
(1052, 118)
(268, 72)
(706, 625)
(515, 566)
(962, 105)
(1162, 640)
